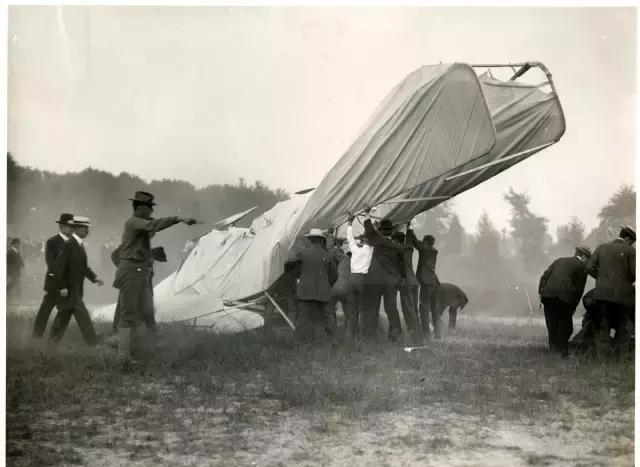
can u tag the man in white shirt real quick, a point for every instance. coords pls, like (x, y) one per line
(361, 253)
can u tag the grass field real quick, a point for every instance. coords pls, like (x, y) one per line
(488, 395)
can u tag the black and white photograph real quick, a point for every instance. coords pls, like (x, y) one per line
(305, 234)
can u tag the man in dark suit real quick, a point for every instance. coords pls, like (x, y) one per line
(70, 270)
(429, 282)
(51, 250)
(561, 287)
(316, 271)
(15, 265)
(409, 288)
(452, 296)
(613, 265)
(386, 272)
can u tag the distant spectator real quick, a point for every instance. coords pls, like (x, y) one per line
(15, 266)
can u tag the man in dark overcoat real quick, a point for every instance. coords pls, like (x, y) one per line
(316, 272)
(409, 288)
(51, 249)
(429, 282)
(613, 265)
(386, 272)
(561, 287)
(70, 270)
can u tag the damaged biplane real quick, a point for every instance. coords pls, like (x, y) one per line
(441, 131)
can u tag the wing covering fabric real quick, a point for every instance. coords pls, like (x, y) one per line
(435, 120)
(525, 117)
(439, 121)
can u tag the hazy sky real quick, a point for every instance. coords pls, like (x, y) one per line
(211, 94)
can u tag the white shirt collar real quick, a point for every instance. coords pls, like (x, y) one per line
(64, 237)
(78, 239)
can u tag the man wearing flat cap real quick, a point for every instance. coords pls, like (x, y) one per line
(316, 271)
(613, 265)
(51, 250)
(70, 270)
(386, 272)
(561, 287)
(134, 258)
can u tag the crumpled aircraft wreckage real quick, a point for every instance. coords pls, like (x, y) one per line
(441, 131)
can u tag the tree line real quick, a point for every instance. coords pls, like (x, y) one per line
(35, 199)
(489, 263)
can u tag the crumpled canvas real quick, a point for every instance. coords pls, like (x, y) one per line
(440, 121)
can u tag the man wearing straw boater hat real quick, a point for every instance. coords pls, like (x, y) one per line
(316, 271)
(51, 250)
(386, 272)
(134, 258)
(613, 265)
(561, 287)
(70, 270)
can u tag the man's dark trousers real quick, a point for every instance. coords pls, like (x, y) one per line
(312, 312)
(559, 318)
(49, 301)
(73, 306)
(429, 306)
(355, 304)
(409, 304)
(373, 294)
(618, 317)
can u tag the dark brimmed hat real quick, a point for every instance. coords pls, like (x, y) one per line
(143, 197)
(65, 217)
(386, 225)
(628, 231)
(583, 250)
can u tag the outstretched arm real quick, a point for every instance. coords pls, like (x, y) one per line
(156, 225)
